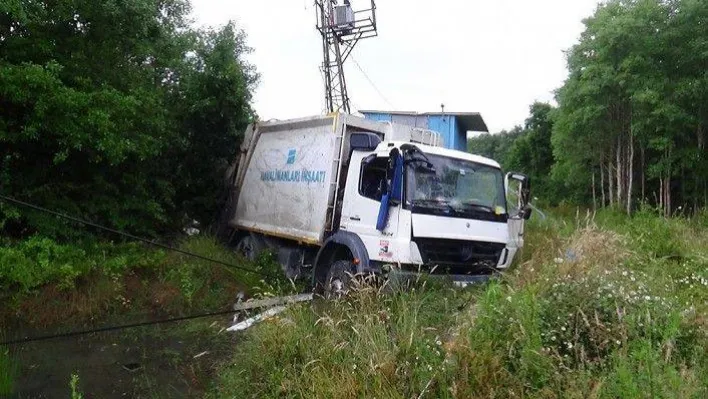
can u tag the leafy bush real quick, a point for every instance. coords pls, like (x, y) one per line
(37, 261)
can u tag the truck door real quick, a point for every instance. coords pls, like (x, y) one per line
(517, 194)
(366, 186)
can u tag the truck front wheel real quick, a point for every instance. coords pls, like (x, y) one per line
(339, 279)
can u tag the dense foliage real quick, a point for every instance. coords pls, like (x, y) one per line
(117, 111)
(632, 116)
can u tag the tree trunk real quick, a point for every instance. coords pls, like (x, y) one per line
(602, 181)
(594, 196)
(668, 195)
(619, 173)
(630, 170)
(643, 175)
(668, 187)
(661, 193)
(701, 154)
(610, 180)
(683, 185)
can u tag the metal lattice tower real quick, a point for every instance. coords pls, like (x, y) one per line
(341, 28)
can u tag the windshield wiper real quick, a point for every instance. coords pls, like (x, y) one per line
(479, 206)
(428, 202)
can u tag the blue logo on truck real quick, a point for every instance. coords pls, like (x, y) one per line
(291, 156)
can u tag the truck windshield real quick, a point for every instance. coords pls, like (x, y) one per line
(455, 187)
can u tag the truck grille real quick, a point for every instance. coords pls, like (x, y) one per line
(458, 257)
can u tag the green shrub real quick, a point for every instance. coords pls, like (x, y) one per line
(36, 261)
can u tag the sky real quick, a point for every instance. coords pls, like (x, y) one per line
(495, 57)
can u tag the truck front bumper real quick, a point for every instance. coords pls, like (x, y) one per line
(398, 276)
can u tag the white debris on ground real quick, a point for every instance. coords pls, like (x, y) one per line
(255, 319)
(278, 307)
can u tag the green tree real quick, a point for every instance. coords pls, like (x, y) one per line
(630, 114)
(532, 153)
(99, 107)
(495, 146)
(216, 100)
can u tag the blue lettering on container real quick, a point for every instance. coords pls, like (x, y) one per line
(304, 176)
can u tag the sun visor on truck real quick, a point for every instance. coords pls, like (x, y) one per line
(397, 181)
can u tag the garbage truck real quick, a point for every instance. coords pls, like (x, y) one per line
(339, 195)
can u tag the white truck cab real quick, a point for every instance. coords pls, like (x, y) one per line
(342, 195)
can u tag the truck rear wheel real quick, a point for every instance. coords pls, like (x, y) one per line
(249, 247)
(339, 279)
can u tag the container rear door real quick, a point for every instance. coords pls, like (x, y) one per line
(287, 186)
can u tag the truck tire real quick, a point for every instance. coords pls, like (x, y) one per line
(249, 247)
(339, 279)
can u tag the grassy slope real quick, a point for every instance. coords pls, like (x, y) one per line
(48, 287)
(43, 282)
(609, 307)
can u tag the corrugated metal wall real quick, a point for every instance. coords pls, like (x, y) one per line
(378, 117)
(447, 126)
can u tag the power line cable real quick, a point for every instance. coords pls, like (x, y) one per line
(371, 82)
(133, 237)
(239, 307)
(115, 328)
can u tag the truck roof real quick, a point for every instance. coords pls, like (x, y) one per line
(385, 147)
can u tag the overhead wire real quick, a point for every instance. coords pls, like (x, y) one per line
(371, 82)
(114, 328)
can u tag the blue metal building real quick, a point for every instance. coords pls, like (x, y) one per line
(453, 126)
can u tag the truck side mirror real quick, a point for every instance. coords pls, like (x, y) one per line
(526, 212)
(524, 191)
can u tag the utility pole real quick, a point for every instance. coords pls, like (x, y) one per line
(341, 28)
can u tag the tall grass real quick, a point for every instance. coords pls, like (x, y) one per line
(601, 306)
(8, 372)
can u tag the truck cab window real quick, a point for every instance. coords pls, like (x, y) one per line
(373, 179)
